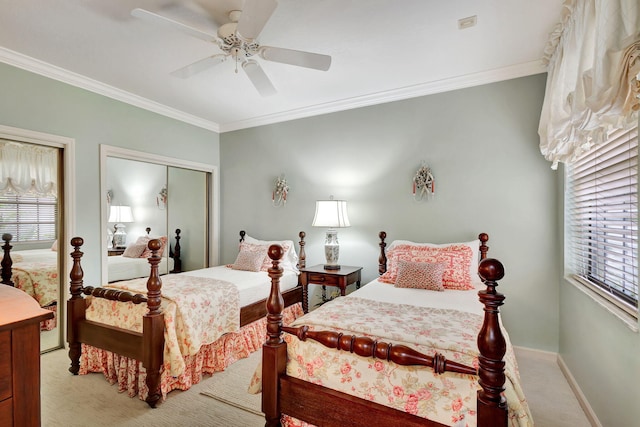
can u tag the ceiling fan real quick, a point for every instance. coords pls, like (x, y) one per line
(237, 41)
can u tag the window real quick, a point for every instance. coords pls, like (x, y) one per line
(602, 218)
(28, 218)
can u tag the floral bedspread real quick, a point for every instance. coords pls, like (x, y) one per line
(448, 398)
(38, 279)
(197, 311)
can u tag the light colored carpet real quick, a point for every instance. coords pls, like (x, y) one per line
(88, 400)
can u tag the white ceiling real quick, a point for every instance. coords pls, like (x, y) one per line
(382, 50)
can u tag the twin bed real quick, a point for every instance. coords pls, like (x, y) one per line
(443, 359)
(168, 333)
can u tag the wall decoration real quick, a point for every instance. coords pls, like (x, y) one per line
(161, 198)
(280, 191)
(424, 184)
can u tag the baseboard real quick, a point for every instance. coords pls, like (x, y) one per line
(582, 400)
(547, 355)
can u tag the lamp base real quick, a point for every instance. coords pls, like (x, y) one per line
(331, 267)
(119, 237)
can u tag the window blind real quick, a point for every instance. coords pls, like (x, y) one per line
(28, 218)
(601, 205)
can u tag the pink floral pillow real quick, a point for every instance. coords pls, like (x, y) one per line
(456, 259)
(134, 250)
(249, 260)
(266, 264)
(420, 275)
(147, 251)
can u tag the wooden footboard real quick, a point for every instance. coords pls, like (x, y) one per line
(147, 347)
(282, 394)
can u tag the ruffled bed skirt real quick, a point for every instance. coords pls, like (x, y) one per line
(50, 324)
(130, 375)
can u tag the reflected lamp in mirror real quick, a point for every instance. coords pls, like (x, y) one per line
(120, 215)
(331, 214)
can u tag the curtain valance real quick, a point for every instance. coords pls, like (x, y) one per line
(28, 168)
(593, 60)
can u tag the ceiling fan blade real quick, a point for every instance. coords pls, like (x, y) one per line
(255, 15)
(168, 22)
(199, 66)
(296, 57)
(258, 77)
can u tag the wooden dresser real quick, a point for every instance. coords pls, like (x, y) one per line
(20, 317)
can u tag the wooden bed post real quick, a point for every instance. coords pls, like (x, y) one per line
(484, 238)
(153, 328)
(6, 260)
(177, 262)
(492, 406)
(302, 257)
(242, 234)
(382, 259)
(76, 306)
(274, 350)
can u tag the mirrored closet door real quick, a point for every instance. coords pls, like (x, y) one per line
(149, 198)
(31, 224)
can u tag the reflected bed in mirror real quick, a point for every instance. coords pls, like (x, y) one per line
(132, 262)
(35, 272)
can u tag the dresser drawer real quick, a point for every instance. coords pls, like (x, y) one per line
(324, 279)
(5, 366)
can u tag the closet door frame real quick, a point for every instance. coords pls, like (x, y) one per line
(213, 196)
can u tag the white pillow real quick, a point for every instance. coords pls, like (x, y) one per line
(475, 259)
(290, 258)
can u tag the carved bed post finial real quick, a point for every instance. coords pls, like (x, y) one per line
(242, 234)
(492, 346)
(153, 327)
(7, 262)
(484, 238)
(382, 259)
(302, 257)
(274, 350)
(76, 307)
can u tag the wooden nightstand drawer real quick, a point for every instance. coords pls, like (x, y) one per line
(324, 279)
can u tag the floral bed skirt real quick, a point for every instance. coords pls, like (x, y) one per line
(130, 375)
(50, 324)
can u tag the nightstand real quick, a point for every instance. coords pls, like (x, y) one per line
(319, 276)
(115, 251)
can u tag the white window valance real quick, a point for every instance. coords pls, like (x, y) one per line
(593, 60)
(28, 168)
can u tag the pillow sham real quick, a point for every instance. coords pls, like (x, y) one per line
(290, 258)
(420, 275)
(147, 252)
(250, 257)
(54, 247)
(134, 250)
(474, 245)
(455, 257)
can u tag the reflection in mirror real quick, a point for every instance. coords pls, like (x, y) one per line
(146, 200)
(134, 217)
(30, 217)
(187, 211)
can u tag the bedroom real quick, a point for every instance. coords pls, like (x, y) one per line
(481, 142)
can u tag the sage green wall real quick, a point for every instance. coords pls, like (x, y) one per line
(482, 145)
(602, 354)
(37, 103)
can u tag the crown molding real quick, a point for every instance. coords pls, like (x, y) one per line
(60, 74)
(459, 82)
(429, 88)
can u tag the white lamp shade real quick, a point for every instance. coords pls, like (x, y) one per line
(120, 214)
(331, 213)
